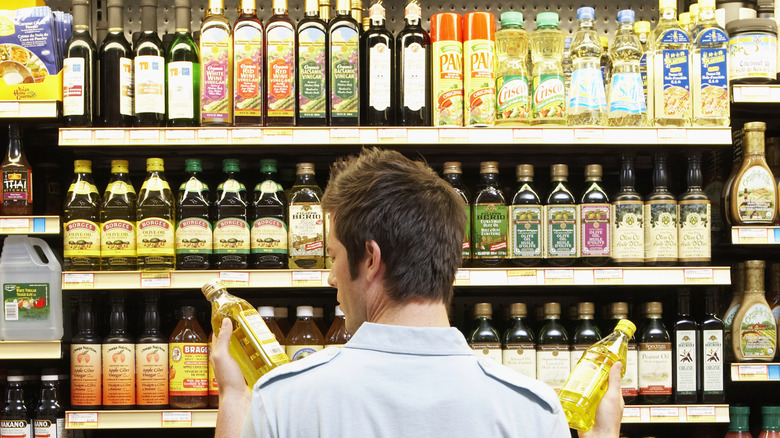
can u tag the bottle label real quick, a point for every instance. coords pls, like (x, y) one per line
(561, 231)
(758, 332)
(269, 236)
(26, 302)
(520, 357)
(231, 236)
(490, 350)
(490, 227)
(655, 368)
(155, 237)
(629, 384)
(193, 185)
(577, 352)
(686, 362)
(194, 236)
(119, 188)
(312, 52)
(73, 74)
(118, 374)
(628, 234)
(728, 322)
(296, 352)
(248, 72)
(215, 71)
(126, 88)
(281, 72)
(213, 384)
(553, 365)
(153, 184)
(643, 70)
(306, 230)
(16, 429)
(673, 72)
(189, 369)
(712, 379)
(414, 75)
(713, 72)
(594, 230)
(379, 96)
(466, 254)
(480, 82)
(344, 73)
(525, 234)
(181, 93)
(761, 61)
(660, 231)
(17, 185)
(756, 195)
(587, 91)
(117, 238)
(448, 83)
(626, 95)
(85, 375)
(81, 238)
(695, 234)
(82, 187)
(262, 335)
(151, 361)
(47, 429)
(149, 84)
(549, 97)
(513, 98)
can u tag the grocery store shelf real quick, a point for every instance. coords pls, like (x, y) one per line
(755, 93)
(676, 414)
(755, 372)
(30, 350)
(210, 136)
(755, 235)
(29, 225)
(140, 419)
(283, 278)
(28, 109)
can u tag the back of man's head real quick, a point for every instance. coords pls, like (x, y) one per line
(413, 215)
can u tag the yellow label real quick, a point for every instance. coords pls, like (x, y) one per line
(447, 83)
(260, 332)
(307, 230)
(118, 374)
(81, 238)
(213, 385)
(296, 352)
(189, 368)
(151, 374)
(231, 236)
(82, 188)
(479, 82)
(85, 374)
(155, 237)
(155, 184)
(269, 235)
(193, 236)
(117, 238)
(120, 188)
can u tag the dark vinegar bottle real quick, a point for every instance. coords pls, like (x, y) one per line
(15, 420)
(628, 234)
(344, 59)
(378, 70)
(231, 230)
(151, 377)
(194, 237)
(453, 175)
(695, 218)
(268, 214)
(413, 67)
(247, 66)
(660, 218)
(49, 415)
(79, 77)
(118, 359)
(312, 68)
(710, 352)
(116, 72)
(85, 358)
(686, 373)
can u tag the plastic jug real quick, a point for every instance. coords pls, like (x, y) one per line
(31, 280)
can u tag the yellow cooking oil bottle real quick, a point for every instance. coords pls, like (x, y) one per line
(587, 383)
(252, 344)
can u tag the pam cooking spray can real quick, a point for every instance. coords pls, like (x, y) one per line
(447, 86)
(479, 79)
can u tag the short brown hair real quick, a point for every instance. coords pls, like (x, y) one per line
(413, 215)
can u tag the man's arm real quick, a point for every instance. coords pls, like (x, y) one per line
(235, 398)
(610, 410)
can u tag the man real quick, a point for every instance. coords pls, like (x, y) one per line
(395, 239)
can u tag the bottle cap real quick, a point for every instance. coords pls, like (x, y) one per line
(694, 9)
(338, 311)
(667, 4)
(193, 165)
(49, 377)
(771, 418)
(303, 311)
(479, 25)
(119, 166)
(559, 170)
(268, 165)
(625, 16)
(626, 327)
(546, 19)
(586, 13)
(755, 126)
(81, 166)
(488, 167)
(446, 26)
(642, 27)
(740, 418)
(525, 171)
(654, 308)
(318, 312)
(266, 311)
(376, 11)
(211, 287)
(11, 378)
(304, 169)
(593, 171)
(619, 309)
(116, 3)
(684, 19)
(511, 18)
(483, 310)
(280, 312)
(452, 167)
(230, 165)
(154, 165)
(518, 310)
(552, 309)
(755, 264)
(604, 42)
(586, 308)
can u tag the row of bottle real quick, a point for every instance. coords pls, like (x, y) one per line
(659, 229)
(29, 412)
(652, 374)
(739, 422)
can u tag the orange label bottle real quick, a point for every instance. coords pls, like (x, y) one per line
(189, 363)
(118, 360)
(85, 360)
(151, 359)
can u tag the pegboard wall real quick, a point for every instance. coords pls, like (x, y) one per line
(606, 12)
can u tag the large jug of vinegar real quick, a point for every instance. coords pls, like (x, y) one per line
(252, 344)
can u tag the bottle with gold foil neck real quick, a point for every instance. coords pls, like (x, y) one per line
(216, 78)
(156, 218)
(453, 174)
(117, 221)
(356, 10)
(324, 6)
(695, 218)
(737, 288)
(80, 221)
(312, 68)
(738, 137)
(594, 215)
(660, 218)
(247, 66)
(306, 231)
(628, 234)
(562, 246)
(526, 228)
(489, 218)
(754, 193)
(754, 330)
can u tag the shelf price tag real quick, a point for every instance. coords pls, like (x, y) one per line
(526, 135)
(752, 235)
(521, 276)
(672, 135)
(588, 134)
(698, 276)
(218, 136)
(75, 136)
(750, 372)
(453, 135)
(392, 135)
(9, 108)
(665, 414)
(341, 135)
(82, 420)
(150, 136)
(176, 419)
(306, 278)
(15, 225)
(155, 279)
(234, 279)
(110, 136)
(608, 276)
(632, 415)
(78, 281)
(700, 414)
(462, 277)
(278, 136)
(558, 276)
(247, 136)
(180, 136)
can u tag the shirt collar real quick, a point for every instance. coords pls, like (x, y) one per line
(428, 341)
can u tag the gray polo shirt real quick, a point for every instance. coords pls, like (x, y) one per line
(398, 382)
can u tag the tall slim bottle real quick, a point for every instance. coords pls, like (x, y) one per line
(86, 367)
(117, 221)
(80, 71)
(307, 232)
(655, 358)
(753, 199)
(231, 229)
(561, 212)
(116, 72)
(151, 358)
(16, 191)
(313, 72)
(156, 216)
(710, 84)
(183, 61)
(489, 218)
(413, 67)
(379, 71)
(695, 218)
(268, 216)
(629, 384)
(216, 66)
(344, 60)
(553, 358)
(118, 359)
(587, 102)
(453, 174)
(484, 339)
(627, 101)
(80, 221)
(670, 45)
(149, 69)
(194, 236)
(595, 220)
(642, 30)
(628, 234)
(247, 66)
(660, 218)
(526, 228)
(518, 349)
(711, 354)
(280, 63)
(686, 369)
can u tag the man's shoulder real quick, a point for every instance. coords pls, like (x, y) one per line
(529, 388)
(298, 367)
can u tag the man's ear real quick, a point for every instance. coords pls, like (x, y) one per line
(373, 260)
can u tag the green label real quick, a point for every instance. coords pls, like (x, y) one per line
(467, 233)
(344, 73)
(490, 225)
(562, 231)
(311, 61)
(269, 236)
(525, 231)
(25, 302)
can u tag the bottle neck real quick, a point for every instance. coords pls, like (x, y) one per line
(149, 19)
(660, 177)
(627, 26)
(183, 20)
(694, 177)
(118, 320)
(586, 24)
(306, 179)
(683, 306)
(627, 177)
(669, 14)
(80, 16)
(86, 319)
(453, 178)
(412, 20)
(14, 144)
(50, 392)
(489, 179)
(151, 319)
(710, 305)
(216, 7)
(115, 23)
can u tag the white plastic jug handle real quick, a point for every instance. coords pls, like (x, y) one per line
(34, 241)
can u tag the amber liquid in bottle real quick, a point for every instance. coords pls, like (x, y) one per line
(526, 230)
(117, 221)
(306, 231)
(337, 335)
(155, 214)
(188, 343)
(489, 218)
(305, 337)
(753, 198)
(17, 188)
(80, 221)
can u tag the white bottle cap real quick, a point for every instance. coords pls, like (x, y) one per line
(49, 377)
(318, 312)
(304, 311)
(15, 379)
(266, 311)
(280, 312)
(338, 311)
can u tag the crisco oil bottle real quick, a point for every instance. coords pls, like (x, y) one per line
(252, 345)
(587, 102)
(512, 84)
(585, 386)
(81, 232)
(117, 221)
(549, 94)
(155, 214)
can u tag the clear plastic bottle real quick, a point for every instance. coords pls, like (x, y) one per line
(566, 62)
(670, 45)
(627, 105)
(512, 100)
(549, 94)
(709, 75)
(586, 100)
(642, 30)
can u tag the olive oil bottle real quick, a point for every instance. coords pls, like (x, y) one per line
(489, 218)
(268, 215)
(519, 343)
(562, 221)
(628, 234)
(484, 339)
(231, 230)
(81, 215)
(194, 237)
(117, 221)
(585, 333)
(526, 229)
(695, 218)
(753, 198)
(686, 371)
(306, 234)
(156, 216)
(453, 175)
(553, 358)
(594, 214)
(655, 358)
(660, 218)
(711, 354)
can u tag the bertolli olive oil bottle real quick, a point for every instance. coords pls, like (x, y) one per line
(307, 229)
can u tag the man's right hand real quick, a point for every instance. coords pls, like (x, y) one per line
(234, 396)
(610, 410)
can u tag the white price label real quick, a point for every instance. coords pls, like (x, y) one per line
(155, 280)
(213, 134)
(176, 419)
(235, 278)
(14, 225)
(79, 280)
